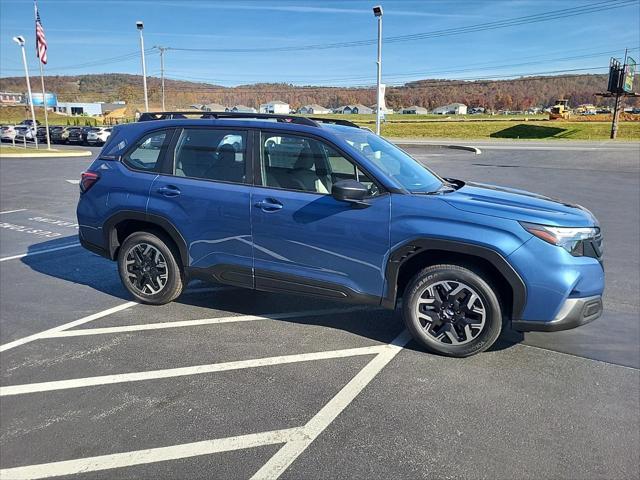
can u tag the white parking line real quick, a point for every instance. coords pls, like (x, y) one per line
(152, 455)
(13, 211)
(327, 414)
(185, 371)
(38, 252)
(59, 328)
(203, 321)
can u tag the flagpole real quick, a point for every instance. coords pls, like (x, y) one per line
(44, 105)
(44, 93)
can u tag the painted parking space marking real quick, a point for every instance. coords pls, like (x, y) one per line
(185, 371)
(73, 182)
(13, 211)
(152, 455)
(29, 230)
(38, 252)
(200, 322)
(327, 414)
(75, 323)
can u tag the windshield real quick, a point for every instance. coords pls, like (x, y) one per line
(404, 169)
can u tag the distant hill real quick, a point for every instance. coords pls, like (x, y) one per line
(515, 94)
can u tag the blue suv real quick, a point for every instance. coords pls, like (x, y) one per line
(322, 207)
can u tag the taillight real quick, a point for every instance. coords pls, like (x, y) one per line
(87, 180)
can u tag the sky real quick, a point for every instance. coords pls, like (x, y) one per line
(260, 40)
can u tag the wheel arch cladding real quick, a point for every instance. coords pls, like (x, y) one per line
(124, 223)
(406, 260)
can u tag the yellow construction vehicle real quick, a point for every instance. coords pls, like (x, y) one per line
(560, 110)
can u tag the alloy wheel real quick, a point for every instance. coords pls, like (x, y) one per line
(146, 269)
(451, 312)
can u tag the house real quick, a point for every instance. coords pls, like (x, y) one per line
(214, 107)
(385, 110)
(414, 110)
(9, 98)
(275, 106)
(452, 109)
(242, 109)
(313, 109)
(355, 109)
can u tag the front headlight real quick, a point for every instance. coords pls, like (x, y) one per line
(569, 238)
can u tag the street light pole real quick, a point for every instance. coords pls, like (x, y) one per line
(140, 27)
(377, 11)
(20, 41)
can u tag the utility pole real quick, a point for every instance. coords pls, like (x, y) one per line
(162, 50)
(377, 11)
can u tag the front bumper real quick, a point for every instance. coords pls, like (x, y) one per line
(573, 313)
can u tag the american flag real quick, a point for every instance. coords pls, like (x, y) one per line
(41, 41)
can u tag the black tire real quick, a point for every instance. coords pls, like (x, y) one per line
(175, 280)
(432, 277)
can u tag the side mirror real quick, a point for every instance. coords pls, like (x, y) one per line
(350, 191)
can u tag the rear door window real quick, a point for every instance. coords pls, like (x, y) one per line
(147, 154)
(211, 154)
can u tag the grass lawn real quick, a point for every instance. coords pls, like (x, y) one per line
(515, 130)
(6, 149)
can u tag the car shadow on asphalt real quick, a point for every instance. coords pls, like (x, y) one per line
(79, 266)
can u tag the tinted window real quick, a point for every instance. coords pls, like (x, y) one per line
(211, 155)
(148, 152)
(306, 164)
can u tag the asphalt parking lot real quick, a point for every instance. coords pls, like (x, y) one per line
(229, 383)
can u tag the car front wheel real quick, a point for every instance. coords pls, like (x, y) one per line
(452, 310)
(149, 269)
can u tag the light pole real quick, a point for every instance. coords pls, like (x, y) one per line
(20, 41)
(377, 11)
(140, 27)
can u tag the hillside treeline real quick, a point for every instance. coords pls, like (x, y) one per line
(514, 94)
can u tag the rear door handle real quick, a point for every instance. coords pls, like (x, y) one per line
(169, 191)
(269, 205)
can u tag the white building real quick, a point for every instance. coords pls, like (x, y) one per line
(275, 107)
(414, 110)
(242, 109)
(86, 108)
(314, 109)
(452, 109)
(10, 98)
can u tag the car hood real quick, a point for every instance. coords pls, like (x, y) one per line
(518, 205)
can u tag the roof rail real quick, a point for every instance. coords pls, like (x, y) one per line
(335, 121)
(219, 115)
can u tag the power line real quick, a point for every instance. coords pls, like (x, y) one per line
(525, 20)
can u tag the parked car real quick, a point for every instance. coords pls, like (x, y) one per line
(75, 135)
(7, 133)
(41, 134)
(60, 134)
(28, 121)
(25, 133)
(336, 212)
(98, 135)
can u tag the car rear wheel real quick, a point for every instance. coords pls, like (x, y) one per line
(452, 310)
(149, 269)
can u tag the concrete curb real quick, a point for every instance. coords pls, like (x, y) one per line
(467, 148)
(58, 154)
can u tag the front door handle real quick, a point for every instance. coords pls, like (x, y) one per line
(169, 191)
(269, 205)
